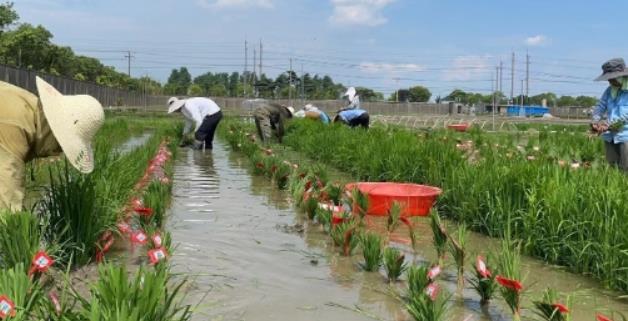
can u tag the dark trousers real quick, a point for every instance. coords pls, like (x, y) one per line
(617, 155)
(362, 120)
(206, 132)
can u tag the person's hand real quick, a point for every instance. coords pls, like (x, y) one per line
(599, 127)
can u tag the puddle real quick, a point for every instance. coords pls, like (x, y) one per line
(250, 256)
(134, 142)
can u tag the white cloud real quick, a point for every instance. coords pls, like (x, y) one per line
(536, 40)
(220, 4)
(387, 68)
(467, 67)
(359, 12)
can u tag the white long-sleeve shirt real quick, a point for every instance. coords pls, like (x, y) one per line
(195, 110)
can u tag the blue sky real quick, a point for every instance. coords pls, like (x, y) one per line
(382, 44)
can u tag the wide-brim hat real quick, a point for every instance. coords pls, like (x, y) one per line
(290, 109)
(175, 104)
(350, 94)
(612, 69)
(74, 121)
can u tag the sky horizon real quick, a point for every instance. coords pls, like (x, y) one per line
(379, 44)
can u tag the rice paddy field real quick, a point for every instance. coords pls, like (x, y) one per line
(531, 225)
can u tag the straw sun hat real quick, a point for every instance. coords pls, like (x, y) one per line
(175, 104)
(74, 121)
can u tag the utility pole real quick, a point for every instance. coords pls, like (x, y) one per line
(493, 108)
(261, 50)
(527, 75)
(501, 76)
(522, 110)
(129, 56)
(497, 84)
(512, 79)
(302, 84)
(290, 83)
(246, 65)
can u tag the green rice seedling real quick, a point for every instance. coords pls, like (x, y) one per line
(394, 216)
(425, 307)
(509, 264)
(394, 262)
(25, 295)
(457, 248)
(150, 295)
(484, 280)
(20, 238)
(440, 236)
(418, 280)
(323, 217)
(257, 161)
(345, 236)
(334, 192)
(156, 198)
(75, 215)
(371, 244)
(310, 205)
(549, 308)
(360, 203)
(281, 175)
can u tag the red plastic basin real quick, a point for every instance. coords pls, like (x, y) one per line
(416, 200)
(459, 127)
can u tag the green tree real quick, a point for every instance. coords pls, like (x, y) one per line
(586, 101)
(566, 101)
(195, 90)
(218, 90)
(367, 94)
(419, 94)
(178, 81)
(8, 16)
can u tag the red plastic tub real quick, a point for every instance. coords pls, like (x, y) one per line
(416, 200)
(459, 127)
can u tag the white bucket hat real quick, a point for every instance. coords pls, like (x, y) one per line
(175, 104)
(290, 109)
(74, 121)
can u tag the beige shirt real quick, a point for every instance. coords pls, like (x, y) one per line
(24, 135)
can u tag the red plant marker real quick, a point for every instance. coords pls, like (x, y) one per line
(434, 272)
(480, 266)
(406, 221)
(136, 202)
(601, 317)
(139, 237)
(144, 211)
(432, 291)
(7, 307)
(157, 255)
(164, 180)
(157, 241)
(54, 298)
(508, 283)
(124, 227)
(259, 165)
(41, 262)
(561, 308)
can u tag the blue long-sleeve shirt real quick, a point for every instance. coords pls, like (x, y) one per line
(615, 109)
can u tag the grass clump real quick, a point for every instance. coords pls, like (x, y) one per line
(372, 251)
(20, 238)
(394, 262)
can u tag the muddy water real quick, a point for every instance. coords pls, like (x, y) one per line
(134, 142)
(250, 256)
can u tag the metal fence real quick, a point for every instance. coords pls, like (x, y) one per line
(123, 99)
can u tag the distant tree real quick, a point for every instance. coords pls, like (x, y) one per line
(8, 15)
(195, 90)
(218, 90)
(566, 101)
(367, 94)
(179, 81)
(419, 94)
(586, 101)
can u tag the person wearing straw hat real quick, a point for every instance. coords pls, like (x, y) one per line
(32, 127)
(312, 112)
(614, 105)
(270, 117)
(353, 115)
(202, 113)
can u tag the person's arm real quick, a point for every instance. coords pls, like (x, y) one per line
(188, 126)
(601, 107)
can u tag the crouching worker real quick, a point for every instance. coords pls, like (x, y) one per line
(353, 115)
(202, 113)
(312, 112)
(270, 117)
(32, 127)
